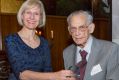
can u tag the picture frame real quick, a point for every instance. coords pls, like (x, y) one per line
(10, 6)
(98, 8)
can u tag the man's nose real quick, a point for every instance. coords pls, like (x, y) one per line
(77, 32)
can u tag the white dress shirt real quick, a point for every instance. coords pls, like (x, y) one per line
(87, 48)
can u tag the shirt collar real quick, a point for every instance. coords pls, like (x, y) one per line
(87, 47)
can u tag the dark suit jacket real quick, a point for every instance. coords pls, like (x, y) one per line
(103, 62)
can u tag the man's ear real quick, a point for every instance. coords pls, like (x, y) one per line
(91, 28)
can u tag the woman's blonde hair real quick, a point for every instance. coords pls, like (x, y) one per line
(28, 4)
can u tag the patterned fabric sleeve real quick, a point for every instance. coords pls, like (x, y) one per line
(16, 60)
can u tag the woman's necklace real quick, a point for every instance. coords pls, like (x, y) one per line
(33, 43)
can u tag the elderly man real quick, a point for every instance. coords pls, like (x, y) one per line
(88, 57)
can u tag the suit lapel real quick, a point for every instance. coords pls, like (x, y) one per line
(71, 57)
(92, 59)
(74, 58)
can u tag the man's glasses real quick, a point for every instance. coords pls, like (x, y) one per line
(74, 29)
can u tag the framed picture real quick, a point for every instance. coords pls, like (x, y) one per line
(65, 7)
(99, 8)
(102, 8)
(10, 6)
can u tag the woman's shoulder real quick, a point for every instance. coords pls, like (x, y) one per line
(11, 37)
(43, 40)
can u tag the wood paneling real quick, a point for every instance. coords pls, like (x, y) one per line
(0, 35)
(103, 29)
(58, 42)
(56, 26)
(9, 25)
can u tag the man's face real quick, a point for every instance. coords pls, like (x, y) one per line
(79, 30)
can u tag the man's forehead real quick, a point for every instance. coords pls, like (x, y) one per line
(78, 19)
(79, 16)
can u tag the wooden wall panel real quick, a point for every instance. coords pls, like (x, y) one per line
(0, 35)
(61, 38)
(9, 25)
(58, 42)
(102, 29)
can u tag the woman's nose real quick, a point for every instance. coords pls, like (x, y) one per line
(32, 16)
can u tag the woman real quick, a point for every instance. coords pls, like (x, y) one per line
(29, 54)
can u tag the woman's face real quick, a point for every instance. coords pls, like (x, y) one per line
(31, 17)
